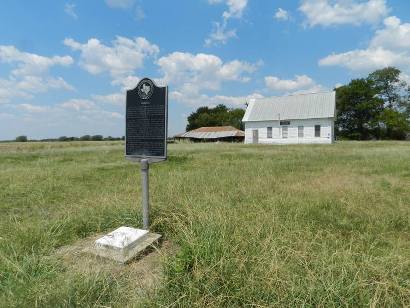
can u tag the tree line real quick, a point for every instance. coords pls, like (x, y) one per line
(65, 138)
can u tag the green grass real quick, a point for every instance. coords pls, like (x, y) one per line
(280, 226)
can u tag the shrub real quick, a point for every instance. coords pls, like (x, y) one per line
(85, 138)
(97, 138)
(21, 139)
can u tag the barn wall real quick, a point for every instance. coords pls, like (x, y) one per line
(326, 131)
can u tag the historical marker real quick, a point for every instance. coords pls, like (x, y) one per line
(146, 122)
(146, 131)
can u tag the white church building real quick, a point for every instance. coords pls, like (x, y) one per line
(302, 118)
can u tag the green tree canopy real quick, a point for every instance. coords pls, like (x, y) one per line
(85, 138)
(21, 139)
(97, 138)
(217, 116)
(376, 107)
(388, 86)
(357, 110)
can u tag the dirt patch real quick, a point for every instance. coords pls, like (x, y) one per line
(142, 275)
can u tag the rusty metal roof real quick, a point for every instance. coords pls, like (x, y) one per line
(214, 132)
(301, 106)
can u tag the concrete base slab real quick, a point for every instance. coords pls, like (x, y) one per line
(124, 244)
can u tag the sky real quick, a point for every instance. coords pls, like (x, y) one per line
(65, 66)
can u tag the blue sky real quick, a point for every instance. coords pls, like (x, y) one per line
(65, 65)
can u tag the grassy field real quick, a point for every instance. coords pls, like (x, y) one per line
(282, 226)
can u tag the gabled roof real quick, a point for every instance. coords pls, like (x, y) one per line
(301, 106)
(214, 132)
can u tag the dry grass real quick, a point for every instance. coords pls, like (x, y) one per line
(255, 225)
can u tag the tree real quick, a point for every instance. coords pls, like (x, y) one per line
(217, 116)
(395, 94)
(85, 138)
(374, 107)
(395, 124)
(21, 139)
(388, 85)
(97, 138)
(358, 109)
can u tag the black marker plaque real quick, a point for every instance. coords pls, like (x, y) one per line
(146, 122)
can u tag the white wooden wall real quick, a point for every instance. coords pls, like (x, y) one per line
(326, 131)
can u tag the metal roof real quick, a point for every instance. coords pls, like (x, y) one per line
(215, 132)
(301, 106)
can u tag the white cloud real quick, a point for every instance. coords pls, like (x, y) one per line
(237, 70)
(27, 86)
(367, 59)
(32, 108)
(78, 104)
(235, 7)
(299, 85)
(30, 63)
(9, 91)
(85, 107)
(58, 83)
(316, 88)
(206, 100)
(190, 75)
(113, 99)
(36, 84)
(202, 71)
(126, 82)
(29, 74)
(220, 34)
(276, 84)
(123, 57)
(69, 9)
(394, 35)
(281, 14)
(122, 4)
(390, 46)
(338, 12)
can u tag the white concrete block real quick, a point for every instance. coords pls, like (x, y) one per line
(123, 244)
(121, 238)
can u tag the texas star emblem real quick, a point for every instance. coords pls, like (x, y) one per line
(145, 88)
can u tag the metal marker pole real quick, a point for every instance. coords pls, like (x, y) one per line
(145, 192)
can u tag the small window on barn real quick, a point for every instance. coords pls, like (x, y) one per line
(269, 132)
(284, 122)
(284, 132)
(300, 132)
(317, 130)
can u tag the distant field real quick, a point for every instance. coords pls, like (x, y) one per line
(284, 226)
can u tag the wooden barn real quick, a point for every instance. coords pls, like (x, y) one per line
(303, 118)
(212, 134)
